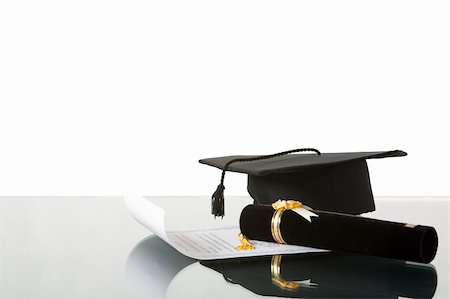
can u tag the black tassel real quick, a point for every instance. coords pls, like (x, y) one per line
(218, 202)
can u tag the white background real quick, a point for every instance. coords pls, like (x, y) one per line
(99, 96)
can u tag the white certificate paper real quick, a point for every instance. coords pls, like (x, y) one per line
(204, 244)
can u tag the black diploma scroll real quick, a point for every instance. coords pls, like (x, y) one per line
(336, 231)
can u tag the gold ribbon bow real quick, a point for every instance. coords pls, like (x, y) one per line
(284, 205)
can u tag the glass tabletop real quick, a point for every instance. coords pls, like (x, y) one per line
(90, 247)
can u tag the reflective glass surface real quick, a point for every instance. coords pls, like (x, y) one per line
(90, 247)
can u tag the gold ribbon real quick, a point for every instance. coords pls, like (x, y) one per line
(275, 269)
(289, 285)
(245, 243)
(280, 206)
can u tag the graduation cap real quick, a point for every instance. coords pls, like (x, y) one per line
(336, 182)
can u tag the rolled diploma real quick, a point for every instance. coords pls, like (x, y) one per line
(335, 231)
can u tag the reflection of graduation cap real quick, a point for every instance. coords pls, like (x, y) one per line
(328, 275)
(326, 181)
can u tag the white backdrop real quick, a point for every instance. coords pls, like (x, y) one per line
(99, 96)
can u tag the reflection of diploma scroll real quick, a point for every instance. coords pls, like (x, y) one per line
(329, 275)
(155, 270)
(343, 232)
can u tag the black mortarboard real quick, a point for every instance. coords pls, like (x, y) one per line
(326, 181)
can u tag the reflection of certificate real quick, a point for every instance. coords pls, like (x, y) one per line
(205, 244)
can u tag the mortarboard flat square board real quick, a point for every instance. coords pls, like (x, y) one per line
(337, 182)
